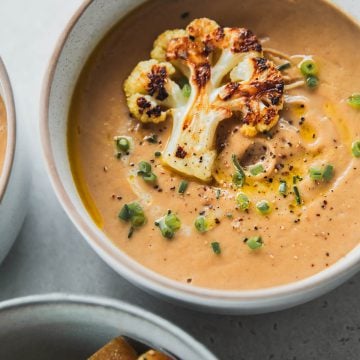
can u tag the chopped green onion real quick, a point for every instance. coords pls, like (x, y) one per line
(124, 213)
(309, 68)
(312, 82)
(283, 187)
(242, 201)
(138, 220)
(166, 232)
(218, 194)
(316, 174)
(122, 144)
(297, 178)
(201, 224)
(284, 66)
(186, 90)
(157, 153)
(144, 168)
(256, 169)
(263, 207)
(150, 178)
(131, 232)
(297, 195)
(152, 139)
(356, 148)
(134, 213)
(354, 101)
(216, 247)
(239, 175)
(168, 225)
(183, 186)
(254, 242)
(172, 221)
(328, 172)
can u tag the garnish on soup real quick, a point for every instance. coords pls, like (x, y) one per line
(226, 73)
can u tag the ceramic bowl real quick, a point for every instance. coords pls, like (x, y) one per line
(71, 327)
(13, 175)
(88, 26)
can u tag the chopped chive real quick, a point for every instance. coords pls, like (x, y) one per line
(229, 215)
(124, 213)
(137, 220)
(239, 175)
(131, 232)
(201, 224)
(325, 174)
(312, 82)
(183, 186)
(172, 221)
(263, 207)
(256, 169)
(152, 139)
(150, 178)
(283, 188)
(216, 247)
(168, 225)
(297, 178)
(134, 213)
(297, 195)
(218, 194)
(243, 202)
(144, 168)
(355, 148)
(254, 242)
(166, 232)
(186, 90)
(328, 172)
(157, 153)
(309, 68)
(316, 174)
(284, 66)
(122, 143)
(354, 101)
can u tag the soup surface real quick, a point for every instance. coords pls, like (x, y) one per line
(3, 133)
(312, 221)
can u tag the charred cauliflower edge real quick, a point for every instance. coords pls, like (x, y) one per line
(228, 75)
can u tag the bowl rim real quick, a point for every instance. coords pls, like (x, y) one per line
(220, 299)
(8, 98)
(68, 299)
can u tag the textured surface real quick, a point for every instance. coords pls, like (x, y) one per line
(50, 255)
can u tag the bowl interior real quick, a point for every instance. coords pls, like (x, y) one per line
(7, 97)
(72, 327)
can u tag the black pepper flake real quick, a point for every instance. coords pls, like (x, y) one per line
(185, 14)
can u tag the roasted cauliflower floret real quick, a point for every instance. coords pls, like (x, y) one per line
(228, 76)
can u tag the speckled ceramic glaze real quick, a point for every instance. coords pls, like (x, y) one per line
(70, 327)
(14, 175)
(84, 31)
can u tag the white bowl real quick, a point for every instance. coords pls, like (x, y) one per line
(14, 175)
(88, 26)
(71, 327)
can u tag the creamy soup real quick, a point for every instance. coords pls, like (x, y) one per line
(3, 133)
(288, 209)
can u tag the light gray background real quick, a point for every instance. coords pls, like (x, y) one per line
(50, 255)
